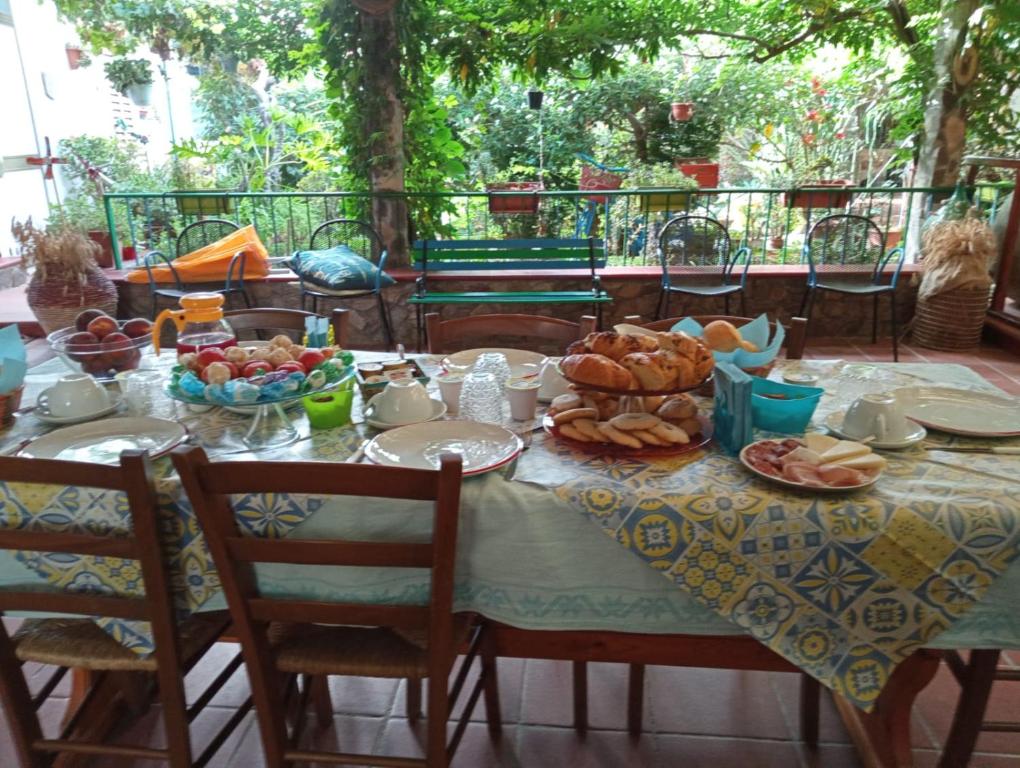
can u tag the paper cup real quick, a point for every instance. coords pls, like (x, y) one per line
(523, 397)
(450, 385)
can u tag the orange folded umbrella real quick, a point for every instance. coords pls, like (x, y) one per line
(212, 262)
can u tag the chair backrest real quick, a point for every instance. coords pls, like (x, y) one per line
(695, 242)
(845, 242)
(210, 487)
(796, 331)
(159, 259)
(142, 544)
(255, 322)
(450, 335)
(356, 235)
(200, 233)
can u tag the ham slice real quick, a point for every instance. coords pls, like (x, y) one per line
(840, 477)
(803, 473)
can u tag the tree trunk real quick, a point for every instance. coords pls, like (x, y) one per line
(938, 162)
(384, 131)
(640, 137)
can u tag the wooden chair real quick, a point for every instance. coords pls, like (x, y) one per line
(702, 246)
(194, 236)
(451, 335)
(976, 677)
(282, 638)
(796, 331)
(291, 321)
(81, 644)
(846, 254)
(364, 241)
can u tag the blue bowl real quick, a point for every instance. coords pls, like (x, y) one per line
(785, 408)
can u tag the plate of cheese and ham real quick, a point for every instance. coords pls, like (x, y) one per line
(815, 462)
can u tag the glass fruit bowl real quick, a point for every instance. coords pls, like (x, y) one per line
(119, 349)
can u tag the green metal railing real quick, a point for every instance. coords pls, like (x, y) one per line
(771, 222)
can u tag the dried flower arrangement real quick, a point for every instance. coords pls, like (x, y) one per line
(957, 253)
(61, 251)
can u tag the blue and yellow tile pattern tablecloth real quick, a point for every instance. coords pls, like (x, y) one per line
(845, 586)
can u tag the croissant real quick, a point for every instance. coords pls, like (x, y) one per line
(576, 348)
(596, 371)
(615, 345)
(651, 369)
(703, 366)
(677, 341)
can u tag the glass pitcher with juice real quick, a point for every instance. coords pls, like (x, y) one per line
(199, 322)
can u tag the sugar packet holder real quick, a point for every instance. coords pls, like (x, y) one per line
(756, 332)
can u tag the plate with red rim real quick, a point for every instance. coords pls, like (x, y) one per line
(961, 411)
(780, 480)
(482, 447)
(698, 440)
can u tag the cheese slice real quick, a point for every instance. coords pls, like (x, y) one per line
(800, 453)
(818, 442)
(867, 461)
(843, 451)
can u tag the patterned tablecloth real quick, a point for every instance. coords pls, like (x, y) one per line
(845, 586)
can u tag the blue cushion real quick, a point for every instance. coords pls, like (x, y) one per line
(337, 269)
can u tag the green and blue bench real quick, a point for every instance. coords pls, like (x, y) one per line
(537, 256)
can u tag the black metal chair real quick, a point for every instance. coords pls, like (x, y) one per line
(846, 254)
(364, 241)
(194, 236)
(701, 245)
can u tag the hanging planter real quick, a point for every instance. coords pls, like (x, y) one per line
(140, 94)
(203, 205)
(663, 201)
(819, 194)
(701, 169)
(131, 77)
(682, 111)
(74, 55)
(502, 203)
(535, 99)
(596, 178)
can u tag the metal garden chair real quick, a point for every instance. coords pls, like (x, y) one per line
(701, 245)
(846, 254)
(194, 236)
(364, 241)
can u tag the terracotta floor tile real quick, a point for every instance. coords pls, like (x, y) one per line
(924, 758)
(541, 747)
(476, 749)
(831, 756)
(548, 694)
(711, 752)
(364, 695)
(511, 680)
(713, 702)
(148, 731)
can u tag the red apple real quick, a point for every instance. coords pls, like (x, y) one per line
(210, 355)
(117, 348)
(256, 368)
(96, 364)
(311, 358)
(129, 359)
(137, 327)
(86, 316)
(293, 365)
(102, 326)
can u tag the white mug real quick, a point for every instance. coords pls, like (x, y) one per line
(77, 394)
(879, 416)
(402, 402)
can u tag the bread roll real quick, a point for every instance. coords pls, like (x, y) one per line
(678, 408)
(721, 335)
(649, 370)
(597, 371)
(749, 346)
(614, 345)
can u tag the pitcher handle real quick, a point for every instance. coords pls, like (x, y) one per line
(177, 315)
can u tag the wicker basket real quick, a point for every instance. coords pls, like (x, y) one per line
(952, 321)
(57, 301)
(10, 403)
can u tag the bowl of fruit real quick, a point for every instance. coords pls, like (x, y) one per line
(259, 374)
(100, 345)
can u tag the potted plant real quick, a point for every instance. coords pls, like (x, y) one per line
(502, 203)
(661, 177)
(75, 55)
(681, 111)
(132, 77)
(192, 175)
(692, 143)
(65, 277)
(535, 99)
(825, 193)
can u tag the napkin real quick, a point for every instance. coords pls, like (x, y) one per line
(732, 415)
(13, 365)
(756, 332)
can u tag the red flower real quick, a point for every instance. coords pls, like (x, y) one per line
(816, 84)
(812, 115)
(840, 135)
(808, 138)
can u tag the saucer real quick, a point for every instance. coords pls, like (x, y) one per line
(834, 423)
(42, 412)
(438, 411)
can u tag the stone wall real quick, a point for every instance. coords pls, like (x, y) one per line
(834, 315)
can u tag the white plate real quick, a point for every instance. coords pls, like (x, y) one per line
(802, 486)
(962, 411)
(438, 411)
(834, 423)
(42, 412)
(101, 442)
(513, 357)
(484, 447)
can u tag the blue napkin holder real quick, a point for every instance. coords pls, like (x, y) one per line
(785, 408)
(733, 416)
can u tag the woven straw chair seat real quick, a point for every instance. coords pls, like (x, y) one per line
(316, 649)
(81, 643)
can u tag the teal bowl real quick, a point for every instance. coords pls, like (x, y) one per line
(785, 408)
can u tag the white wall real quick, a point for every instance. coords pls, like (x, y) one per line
(66, 102)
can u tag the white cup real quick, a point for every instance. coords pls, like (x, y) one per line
(450, 385)
(523, 397)
(77, 394)
(402, 402)
(879, 416)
